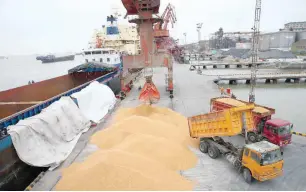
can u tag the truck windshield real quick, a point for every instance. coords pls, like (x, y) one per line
(271, 157)
(284, 130)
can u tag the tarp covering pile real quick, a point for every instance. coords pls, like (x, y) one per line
(91, 67)
(47, 139)
(95, 101)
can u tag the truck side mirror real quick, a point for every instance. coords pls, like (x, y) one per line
(282, 153)
(291, 126)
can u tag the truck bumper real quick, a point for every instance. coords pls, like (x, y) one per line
(270, 176)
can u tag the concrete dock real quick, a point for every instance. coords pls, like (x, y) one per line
(192, 94)
(223, 65)
(268, 77)
(245, 65)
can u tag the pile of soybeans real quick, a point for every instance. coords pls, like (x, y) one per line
(144, 149)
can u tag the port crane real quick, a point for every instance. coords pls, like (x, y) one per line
(161, 28)
(255, 45)
(142, 14)
(161, 33)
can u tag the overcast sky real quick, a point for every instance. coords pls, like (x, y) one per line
(42, 26)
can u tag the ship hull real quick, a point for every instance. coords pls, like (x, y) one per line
(58, 59)
(14, 174)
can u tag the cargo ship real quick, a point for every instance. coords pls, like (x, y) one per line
(53, 58)
(26, 101)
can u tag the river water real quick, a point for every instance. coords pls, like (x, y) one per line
(18, 70)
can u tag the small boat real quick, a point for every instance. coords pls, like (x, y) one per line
(53, 58)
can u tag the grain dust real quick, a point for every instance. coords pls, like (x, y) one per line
(144, 149)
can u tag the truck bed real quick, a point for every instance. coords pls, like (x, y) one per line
(227, 122)
(220, 103)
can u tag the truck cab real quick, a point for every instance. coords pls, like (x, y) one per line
(262, 161)
(277, 131)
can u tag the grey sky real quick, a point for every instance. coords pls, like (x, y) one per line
(42, 26)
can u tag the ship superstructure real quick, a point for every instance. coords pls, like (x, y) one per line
(121, 37)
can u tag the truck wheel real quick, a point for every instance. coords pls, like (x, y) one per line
(247, 175)
(204, 147)
(213, 152)
(252, 137)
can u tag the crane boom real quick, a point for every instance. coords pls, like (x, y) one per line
(255, 45)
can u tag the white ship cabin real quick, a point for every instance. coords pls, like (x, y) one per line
(103, 55)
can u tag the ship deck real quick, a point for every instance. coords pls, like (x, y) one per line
(192, 94)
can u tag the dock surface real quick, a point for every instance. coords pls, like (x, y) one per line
(192, 94)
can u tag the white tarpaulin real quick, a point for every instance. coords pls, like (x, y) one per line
(95, 101)
(47, 139)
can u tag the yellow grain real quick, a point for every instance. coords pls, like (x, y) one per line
(144, 149)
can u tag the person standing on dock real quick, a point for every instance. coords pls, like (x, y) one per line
(222, 91)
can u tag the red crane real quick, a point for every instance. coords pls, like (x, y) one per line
(149, 57)
(161, 31)
(161, 28)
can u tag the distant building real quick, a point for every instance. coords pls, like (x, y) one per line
(295, 26)
(277, 40)
(299, 47)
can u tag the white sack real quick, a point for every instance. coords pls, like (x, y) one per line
(48, 138)
(95, 101)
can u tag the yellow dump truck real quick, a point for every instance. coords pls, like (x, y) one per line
(277, 131)
(261, 160)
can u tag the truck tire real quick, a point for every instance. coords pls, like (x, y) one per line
(203, 146)
(252, 137)
(247, 175)
(213, 152)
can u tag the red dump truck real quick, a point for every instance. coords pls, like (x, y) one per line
(276, 131)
